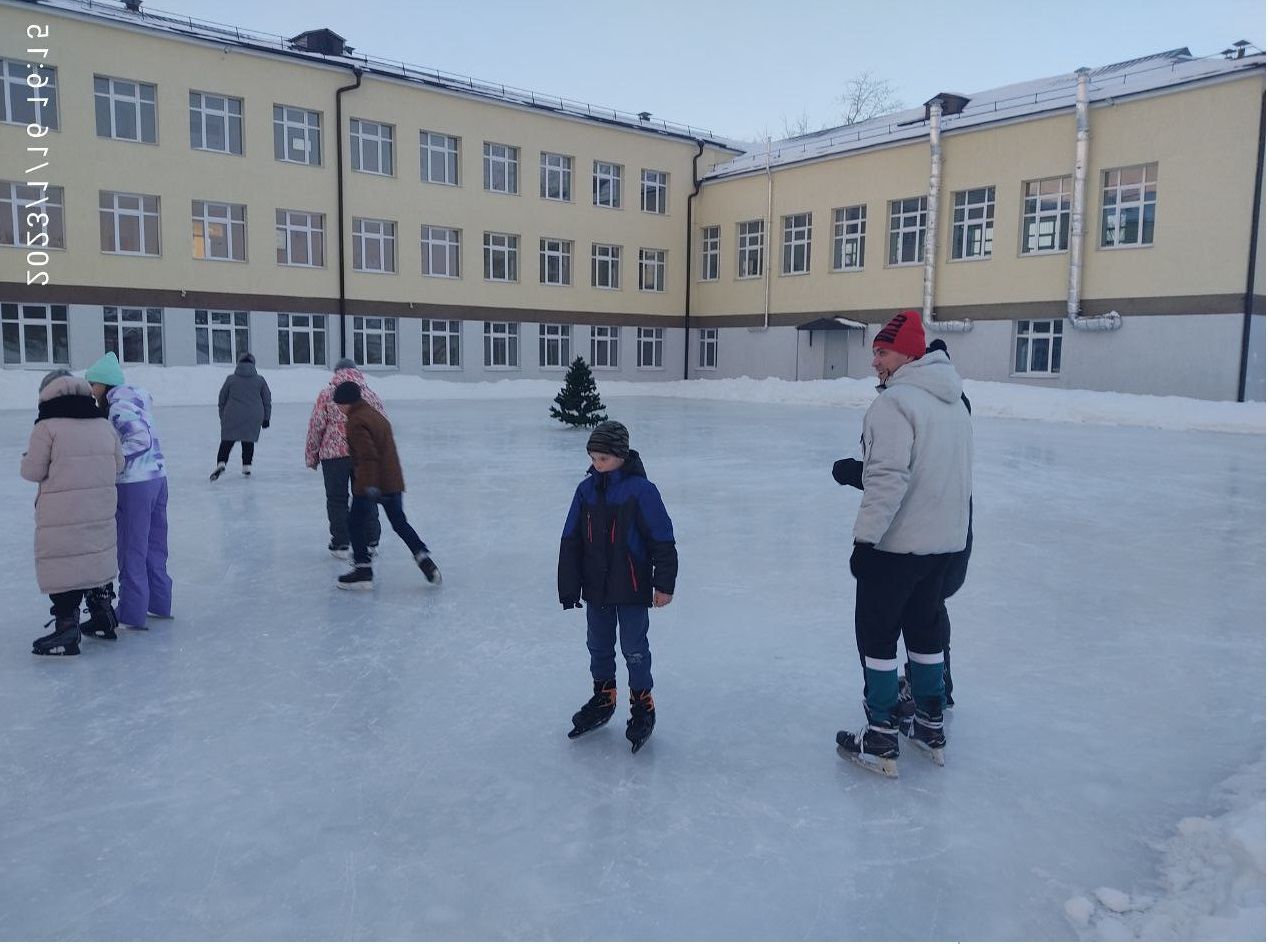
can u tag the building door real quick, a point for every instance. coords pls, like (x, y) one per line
(835, 354)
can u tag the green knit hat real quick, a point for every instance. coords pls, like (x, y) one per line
(105, 371)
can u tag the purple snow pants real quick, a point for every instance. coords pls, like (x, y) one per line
(141, 521)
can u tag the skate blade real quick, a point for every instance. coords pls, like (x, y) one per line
(105, 634)
(576, 732)
(637, 745)
(57, 651)
(885, 766)
(935, 754)
(364, 585)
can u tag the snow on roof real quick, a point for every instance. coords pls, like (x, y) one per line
(1165, 70)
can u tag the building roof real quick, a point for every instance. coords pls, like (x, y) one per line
(835, 323)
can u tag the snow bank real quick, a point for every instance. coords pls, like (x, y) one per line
(191, 386)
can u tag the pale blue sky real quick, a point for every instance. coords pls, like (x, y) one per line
(737, 67)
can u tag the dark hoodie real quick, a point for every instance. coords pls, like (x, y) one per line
(245, 403)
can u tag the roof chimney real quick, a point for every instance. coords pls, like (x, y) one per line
(134, 6)
(324, 41)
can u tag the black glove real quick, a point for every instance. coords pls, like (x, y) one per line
(848, 472)
(264, 425)
(861, 558)
(569, 604)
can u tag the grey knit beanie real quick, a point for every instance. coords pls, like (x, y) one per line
(345, 363)
(53, 375)
(610, 437)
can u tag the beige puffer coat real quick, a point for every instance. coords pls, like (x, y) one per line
(75, 462)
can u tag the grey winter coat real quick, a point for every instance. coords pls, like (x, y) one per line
(245, 404)
(74, 459)
(917, 462)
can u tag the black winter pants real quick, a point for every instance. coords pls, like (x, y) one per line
(337, 474)
(900, 594)
(67, 602)
(226, 446)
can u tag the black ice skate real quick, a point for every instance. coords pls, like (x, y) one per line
(62, 641)
(597, 711)
(905, 710)
(642, 718)
(102, 620)
(246, 470)
(216, 472)
(927, 734)
(428, 567)
(359, 578)
(875, 747)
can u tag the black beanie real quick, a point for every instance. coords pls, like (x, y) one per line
(610, 437)
(348, 392)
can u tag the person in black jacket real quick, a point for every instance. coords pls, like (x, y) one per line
(617, 553)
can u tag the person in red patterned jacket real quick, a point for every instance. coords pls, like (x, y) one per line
(327, 444)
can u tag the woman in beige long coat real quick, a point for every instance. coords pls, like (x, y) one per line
(75, 456)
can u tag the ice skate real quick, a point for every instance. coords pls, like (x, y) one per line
(359, 578)
(874, 748)
(642, 719)
(246, 470)
(428, 567)
(597, 711)
(217, 471)
(102, 620)
(339, 551)
(905, 710)
(926, 733)
(62, 641)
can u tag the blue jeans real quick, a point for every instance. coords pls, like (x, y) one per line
(359, 520)
(601, 627)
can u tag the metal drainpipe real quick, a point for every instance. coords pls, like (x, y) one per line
(769, 239)
(1111, 320)
(931, 223)
(343, 294)
(686, 308)
(1249, 302)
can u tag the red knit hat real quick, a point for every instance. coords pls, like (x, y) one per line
(905, 334)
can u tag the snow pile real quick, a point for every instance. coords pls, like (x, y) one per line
(195, 386)
(1212, 879)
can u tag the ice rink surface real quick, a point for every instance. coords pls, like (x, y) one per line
(284, 760)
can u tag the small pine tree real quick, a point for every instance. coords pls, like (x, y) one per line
(578, 401)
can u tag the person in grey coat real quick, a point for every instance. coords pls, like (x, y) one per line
(245, 407)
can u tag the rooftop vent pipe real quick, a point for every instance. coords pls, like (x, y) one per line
(934, 108)
(1111, 320)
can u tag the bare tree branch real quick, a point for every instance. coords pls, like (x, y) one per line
(867, 96)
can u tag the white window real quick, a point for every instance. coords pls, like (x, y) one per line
(301, 238)
(607, 185)
(220, 337)
(371, 146)
(554, 345)
(655, 191)
(603, 346)
(296, 135)
(1038, 348)
(125, 109)
(373, 245)
(907, 220)
(849, 236)
(710, 252)
(605, 266)
(32, 217)
(35, 335)
(501, 344)
(439, 158)
(442, 343)
(556, 176)
(501, 257)
(374, 341)
(973, 223)
(134, 335)
(651, 270)
(442, 251)
(301, 339)
(24, 101)
(501, 168)
(1045, 219)
(752, 248)
(651, 347)
(556, 262)
(129, 223)
(797, 227)
(215, 123)
(708, 359)
(1128, 200)
(220, 231)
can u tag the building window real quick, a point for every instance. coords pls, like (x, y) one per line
(1128, 199)
(1045, 221)
(655, 191)
(374, 341)
(220, 231)
(371, 146)
(23, 104)
(973, 223)
(125, 110)
(129, 223)
(797, 228)
(442, 343)
(556, 174)
(708, 359)
(220, 337)
(605, 266)
(442, 249)
(301, 339)
(752, 248)
(1038, 347)
(501, 344)
(907, 219)
(301, 238)
(501, 168)
(134, 335)
(556, 262)
(554, 345)
(651, 270)
(607, 185)
(651, 347)
(710, 252)
(296, 135)
(373, 245)
(215, 123)
(35, 335)
(603, 346)
(849, 237)
(501, 257)
(439, 158)
(32, 217)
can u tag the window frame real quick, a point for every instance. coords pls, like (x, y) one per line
(1052, 335)
(507, 162)
(609, 261)
(708, 342)
(382, 233)
(650, 346)
(556, 338)
(115, 100)
(450, 158)
(798, 237)
(367, 328)
(14, 110)
(898, 228)
(554, 254)
(284, 128)
(235, 230)
(655, 263)
(288, 229)
(849, 237)
(210, 323)
(509, 251)
(1034, 214)
(507, 332)
(449, 333)
(140, 213)
(560, 171)
(366, 136)
(452, 250)
(1146, 206)
(16, 210)
(710, 253)
(607, 338)
(972, 224)
(314, 328)
(147, 321)
(611, 174)
(17, 319)
(750, 247)
(226, 115)
(654, 184)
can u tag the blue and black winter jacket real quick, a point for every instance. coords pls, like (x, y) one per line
(618, 541)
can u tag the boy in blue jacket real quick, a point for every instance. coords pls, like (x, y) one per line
(617, 553)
